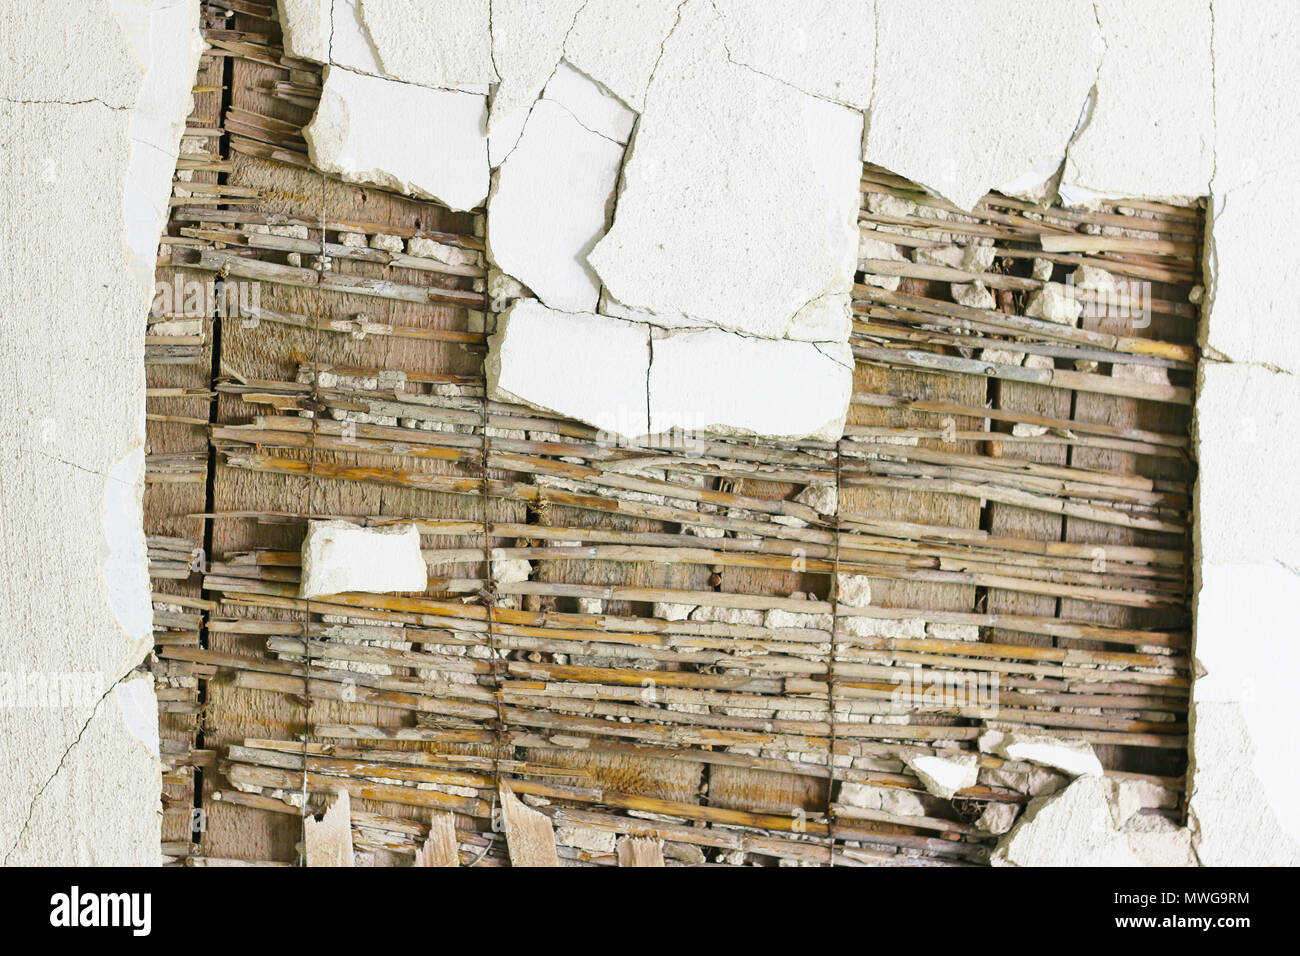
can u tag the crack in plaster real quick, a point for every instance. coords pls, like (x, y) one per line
(40, 792)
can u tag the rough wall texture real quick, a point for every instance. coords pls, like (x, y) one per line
(1178, 99)
(86, 158)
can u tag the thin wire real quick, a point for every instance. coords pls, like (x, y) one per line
(311, 490)
(830, 665)
(489, 591)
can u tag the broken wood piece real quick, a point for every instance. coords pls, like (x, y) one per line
(640, 851)
(328, 841)
(440, 848)
(529, 834)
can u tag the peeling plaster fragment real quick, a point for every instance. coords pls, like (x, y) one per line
(440, 43)
(591, 839)
(742, 202)
(973, 295)
(1003, 103)
(1253, 260)
(1157, 841)
(673, 612)
(1247, 418)
(730, 384)
(551, 204)
(617, 43)
(586, 366)
(306, 27)
(157, 122)
(871, 248)
(139, 709)
(527, 42)
(1151, 130)
(350, 43)
(1128, 796)
(423, 142)
(125, 566)
(589, 102)
(944, 776)
(339, 557)
(997, 818)
(820, 47)
(1072, 757)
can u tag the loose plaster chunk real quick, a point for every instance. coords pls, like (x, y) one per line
(974, 295)
(889, 799)
(339, 557)
(755, 184)
(716, 381)
(872, 248)
(1069, 756)
(944, 776)
(1002, 108)
(853, 589)
(585, 366)
(551, 204)
(823, 499)
(997, 818)
(424, 142)
(1054, 302)
(1071, 828)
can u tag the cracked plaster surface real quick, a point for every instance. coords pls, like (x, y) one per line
(92, 153)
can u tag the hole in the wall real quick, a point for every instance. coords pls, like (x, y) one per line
(981, 538)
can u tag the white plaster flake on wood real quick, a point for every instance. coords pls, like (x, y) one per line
(944, 776)
(717, 381)
(339, 557)
(586, 366)
(424, 142)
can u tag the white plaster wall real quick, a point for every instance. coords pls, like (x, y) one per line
(93, 99)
